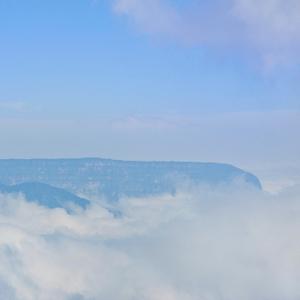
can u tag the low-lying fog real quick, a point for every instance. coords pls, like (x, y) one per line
(230, 243)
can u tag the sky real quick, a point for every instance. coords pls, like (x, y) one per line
(188, 80)
(151, 80)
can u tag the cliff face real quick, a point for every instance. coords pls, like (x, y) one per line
(113, 178)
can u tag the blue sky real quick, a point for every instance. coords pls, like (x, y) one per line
(71, 58)
(90, 66)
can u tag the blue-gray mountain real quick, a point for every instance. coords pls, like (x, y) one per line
(46, 195)
(114, 179)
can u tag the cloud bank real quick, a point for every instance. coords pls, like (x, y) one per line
(199, 244)
(269, 29)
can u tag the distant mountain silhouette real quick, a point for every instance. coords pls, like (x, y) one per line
(114, 178)
(46, 195)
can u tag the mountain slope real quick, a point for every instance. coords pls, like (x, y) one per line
(46, 195)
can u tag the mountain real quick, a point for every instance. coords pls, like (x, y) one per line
(46, 195)
(114, 178)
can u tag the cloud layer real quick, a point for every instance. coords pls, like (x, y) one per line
(200, 244)
(270, 29)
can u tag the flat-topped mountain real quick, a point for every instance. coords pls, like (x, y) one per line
(114, 178)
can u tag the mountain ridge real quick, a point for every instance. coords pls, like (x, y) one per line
(114, 179)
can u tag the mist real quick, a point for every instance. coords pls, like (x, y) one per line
(202, 243)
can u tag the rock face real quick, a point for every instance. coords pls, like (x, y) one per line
(114, 179)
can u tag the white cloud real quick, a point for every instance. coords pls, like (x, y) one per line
(269, 29)
(200, 244)
(152, 15)
(272, 25)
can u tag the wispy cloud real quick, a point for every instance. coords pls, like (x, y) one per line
(268, 29)
(17, 106)
(153, 16)
(141, 123)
